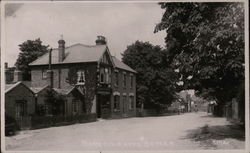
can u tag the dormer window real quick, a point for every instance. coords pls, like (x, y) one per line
(105, 75)
(80, 77)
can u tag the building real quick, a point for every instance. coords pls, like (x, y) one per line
(19, 103)
(108, 85)
(9, 74)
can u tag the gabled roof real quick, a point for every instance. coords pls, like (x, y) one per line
(77, 53)
(121, 65)
(10, 87)
(65, 91)
(38, 89)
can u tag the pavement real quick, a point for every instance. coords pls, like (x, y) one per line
(189, 131)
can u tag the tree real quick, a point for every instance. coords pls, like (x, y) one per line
(155, 87)
(30, 51)
(205, 42)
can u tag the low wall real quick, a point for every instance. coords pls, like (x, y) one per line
(152, 112)
(146, 112)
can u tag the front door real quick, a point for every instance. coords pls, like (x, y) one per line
(103, 106)
(22, 118)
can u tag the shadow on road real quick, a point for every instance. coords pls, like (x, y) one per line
(214, 136)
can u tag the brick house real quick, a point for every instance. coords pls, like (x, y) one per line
(108, 85)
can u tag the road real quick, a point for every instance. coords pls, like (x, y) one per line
(189, 131)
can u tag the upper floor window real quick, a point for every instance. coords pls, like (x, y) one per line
(80, 77)
(124, 80)
(44, 74)
(116, 78)
(105, 75)
(131, 81)
(106, 71)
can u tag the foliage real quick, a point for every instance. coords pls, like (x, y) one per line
(88, 88)
(155, 87)
(205, 42)
(55, 100)
(30, 51)
(72, 76)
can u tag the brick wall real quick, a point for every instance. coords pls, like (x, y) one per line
(60, 75)
(123, 91)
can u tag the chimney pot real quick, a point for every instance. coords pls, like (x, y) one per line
(50, 72)
(61, 50)
(101, 40)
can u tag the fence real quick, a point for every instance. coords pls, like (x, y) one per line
(36, 122)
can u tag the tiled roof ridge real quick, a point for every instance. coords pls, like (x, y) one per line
(79, 44)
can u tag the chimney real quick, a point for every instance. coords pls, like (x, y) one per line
(50, 72)
(61, 50)
(101, 40)
(18, 75)
(6, 65)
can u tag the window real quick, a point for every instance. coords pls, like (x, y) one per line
(124, 102)
(105, 75)
(80, 77)
(116, 79)
(116, 102)
(75, 104)
(106, 71)
(124, 80)
(131, 102)
(131, 81)
(44, 74)
(102, 78)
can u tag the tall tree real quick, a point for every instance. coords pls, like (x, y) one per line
(30, 51)
(155, 87)
(205, 42)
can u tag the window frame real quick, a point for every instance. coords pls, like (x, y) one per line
(44, 74)
(117, 101)
(116, 78)
(81, 77)
(131, 81)
(75, 105)
(131, 102)
(124, 84)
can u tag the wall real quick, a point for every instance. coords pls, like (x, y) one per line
(61, 80)
(123, 90)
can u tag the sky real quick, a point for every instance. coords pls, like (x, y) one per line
(121, 23)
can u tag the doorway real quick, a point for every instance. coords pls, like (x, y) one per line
(103, 106)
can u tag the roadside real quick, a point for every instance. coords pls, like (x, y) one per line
(189, 131)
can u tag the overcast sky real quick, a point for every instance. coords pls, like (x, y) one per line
(121, 23)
